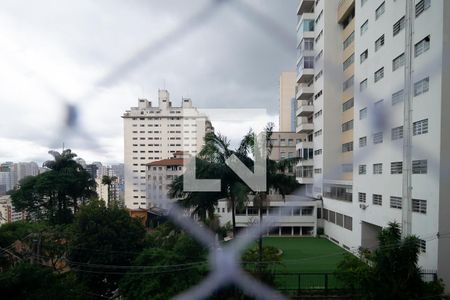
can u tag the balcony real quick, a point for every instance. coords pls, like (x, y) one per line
(305, 69)
(304, 174)
(304, 92)
(305, 162)
(305, 109)
(304, 144)
(305, 6)
(338, 192)
(345, 8)
(305, 127)
(305, 27)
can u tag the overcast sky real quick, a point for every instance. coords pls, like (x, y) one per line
(56, 53)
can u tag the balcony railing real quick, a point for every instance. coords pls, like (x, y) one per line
(304, 172)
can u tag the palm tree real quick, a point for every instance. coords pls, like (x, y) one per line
(108, 181)
(211, 164)
(216, 151)
(276, 178)
(202, 203)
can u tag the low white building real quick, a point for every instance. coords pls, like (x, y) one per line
(160, 175)
(295, 215)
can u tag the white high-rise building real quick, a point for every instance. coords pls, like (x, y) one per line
(153, 133)
(351, 77)
(24, 169)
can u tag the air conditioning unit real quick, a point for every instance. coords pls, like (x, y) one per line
(363, 206)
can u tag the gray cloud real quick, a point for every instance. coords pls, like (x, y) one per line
(229, 61)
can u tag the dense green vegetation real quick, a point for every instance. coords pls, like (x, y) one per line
(75, 247)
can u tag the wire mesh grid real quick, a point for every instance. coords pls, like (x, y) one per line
(224, 261)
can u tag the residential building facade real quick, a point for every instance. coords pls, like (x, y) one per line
(154, 133)
(295, 215)
(350, 93)
(7, 212)
(160, 175)
(287, 102)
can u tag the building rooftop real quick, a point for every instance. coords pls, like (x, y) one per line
(168, 162)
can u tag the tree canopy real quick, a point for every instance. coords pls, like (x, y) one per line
(55, 195)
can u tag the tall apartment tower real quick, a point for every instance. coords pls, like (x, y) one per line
(153, 133)
(287, 102)
(351, 97)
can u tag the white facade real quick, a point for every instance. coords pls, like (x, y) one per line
(357, 161)
(160, 175)
(156, 132)
(7, 212)
(295, 216)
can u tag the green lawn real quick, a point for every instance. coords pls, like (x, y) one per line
(306, 254)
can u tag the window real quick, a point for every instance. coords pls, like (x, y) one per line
(395, 202)
(308, 62)
(378, 138)
(348, 62)
(419, 166)
(320, 16)
(308, 44)
(419, 206)
(363, 141)
(421, 6)
(379, 11)
(420, 127)
(363, 85)
(397, 97)
(318, 114)
(308, 25)
(377, 199)
(339, 219)
(348, 83)
(348, 221)
(362, 169)
(396, 167)
(422, 246)
(421, 86)
(362, 197)
(318, 171)
(347, 168)
(347, 147)
(347, 126)
(318, 95)
(379, 75)
(363, 56)
(318, 75)
(398, 62)
(349, 40)
(363, 113)
(332, 216)
(397, 133)
(379, 43)
(364, 27)
(319, 36)
(348, 104)
(318, 152)
(422, 46)
(318, 56)
(377, 169)
(398, 26)
(318, 133)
